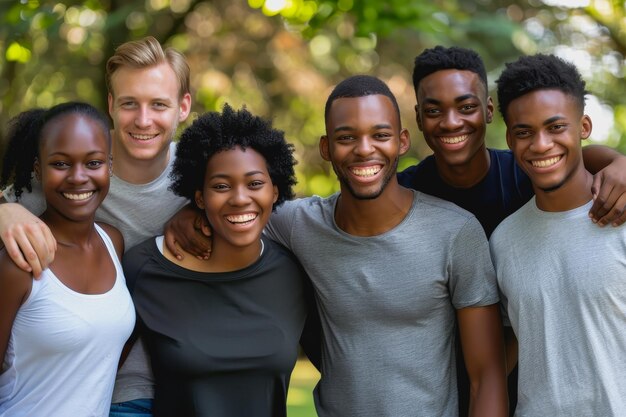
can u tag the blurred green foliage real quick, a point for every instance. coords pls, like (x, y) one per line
(280, 58)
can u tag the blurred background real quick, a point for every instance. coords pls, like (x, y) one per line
(281, 58)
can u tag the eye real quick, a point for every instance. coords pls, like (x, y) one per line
(160, 106)
(432, 111)
(521, 134)
(382, 136)
(220, 187)
(466, 108)
(557, 128)
(128, 105)
(345, 138)
(95, 164)
(59, 164)
(256, 184)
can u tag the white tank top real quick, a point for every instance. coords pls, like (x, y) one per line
(64, 348)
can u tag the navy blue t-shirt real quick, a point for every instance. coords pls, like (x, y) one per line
(504, 189)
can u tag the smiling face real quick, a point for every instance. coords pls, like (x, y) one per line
(146, 107)
(74, 166)
(237, 197)
(544, 130)
(453, 111)
(363, 142)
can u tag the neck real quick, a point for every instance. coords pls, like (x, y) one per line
(376, 216)
(138, 171)
(465, 175)
(224, 258)
(573, 193)
(68, 233)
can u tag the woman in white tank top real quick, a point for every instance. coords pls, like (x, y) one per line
(61, 335)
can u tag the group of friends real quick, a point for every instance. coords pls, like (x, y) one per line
(414, 293)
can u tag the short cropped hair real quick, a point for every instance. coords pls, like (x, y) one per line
(145, 53)
(360, 86)
(539, 72)
(214, 132)
(24, 138)
(441, 58)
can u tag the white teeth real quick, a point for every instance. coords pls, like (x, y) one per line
(366, 172)
(453, 140)
(243, 218)
(81, 196)
(142, 137)
(546, 162)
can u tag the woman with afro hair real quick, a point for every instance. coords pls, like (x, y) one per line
(223, 333)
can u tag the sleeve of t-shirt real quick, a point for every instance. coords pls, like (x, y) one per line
(33, 201)
(281, 223)
(472, 281)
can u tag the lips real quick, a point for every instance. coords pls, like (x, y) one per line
(451, 140)
(366, 171)
(242, 219)
(78, 196)
(138, 136)
(544, 163)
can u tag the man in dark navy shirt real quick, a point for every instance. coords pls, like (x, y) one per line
(453, 110)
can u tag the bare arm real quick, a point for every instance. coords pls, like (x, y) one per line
(15, 286)
(609, 184)
(27, 240)
(483, 350)
(510, 346)
(188, 229)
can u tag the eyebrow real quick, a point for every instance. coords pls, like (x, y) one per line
(545, 123)
(247, 174)
(66, 154)
(351, 129)
(458, 99)
(122, 98)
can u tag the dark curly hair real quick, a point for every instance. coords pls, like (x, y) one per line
(539, 72)
(214, 132)
(360, 86)
(24, 137)
(441, 58)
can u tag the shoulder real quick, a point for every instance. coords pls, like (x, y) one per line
(115, 236)
(512, 223)
(14, 282)
(443, 207)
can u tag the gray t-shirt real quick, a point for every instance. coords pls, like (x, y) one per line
(563, 283)
(387, 303)
(139, 211)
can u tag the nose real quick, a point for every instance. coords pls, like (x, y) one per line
(144, 117)
(541, 142)
(451, 121)
(364, 146)
(239, 196)
(77, 174)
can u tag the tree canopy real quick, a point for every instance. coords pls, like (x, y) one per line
(280, 58)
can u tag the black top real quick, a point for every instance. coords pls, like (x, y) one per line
(221, 344)
(504, 189)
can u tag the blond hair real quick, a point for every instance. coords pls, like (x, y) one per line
(148, 52)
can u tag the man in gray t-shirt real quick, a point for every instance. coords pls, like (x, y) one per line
(392, 268)
(561, 277)
(148, 96)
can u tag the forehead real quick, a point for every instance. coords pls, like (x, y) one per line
(154, 81)
(451, 83)
(361, 111)
(541, 105)
(74, 132)
(235, 160)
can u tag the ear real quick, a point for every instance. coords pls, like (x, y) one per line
(37, 169)
(199, 200)
(185, 107)
(418, 118)
(405, 141)
(490, 108)
(324, 148)
(585, 127)
(110, 101)
(275, 194)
